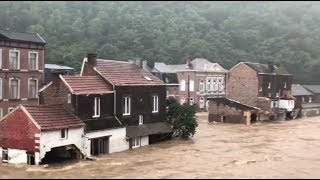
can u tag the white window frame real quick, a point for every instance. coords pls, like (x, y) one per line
(69, 98)
(0, 58)
(214, 83)
(136, 142)
(310, 99)
(191, 101)
(220, 84)
(285, 85)
(191, 86)
(140, 119)
(1, 113)
(201, 86)
(182, 85)
(155, 104)
(29, 79)
(277, 94)
(201, 102)
(65, 133)
(269, 85)
(127, 105)
(3, 152)
(96, 107)
(18, 63)
(37, 59)
(18, 94)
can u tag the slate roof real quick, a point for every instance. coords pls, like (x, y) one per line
(148, 129)
(263, 68)
(22, 36)
(56, 66)
(168, 78)
(122, 73)
(233, 103)
(53, 117)
(299, 90)
(313, 88)
(87, 84)
(198, 64)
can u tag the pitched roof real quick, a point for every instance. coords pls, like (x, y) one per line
(233, 103)
(57, 66)
(313, 88)
(122, 73)
(22, 36)
(299, 90)
(198, 64)
(86, 84)
(263, 68)
(53, 117)
(147, 129)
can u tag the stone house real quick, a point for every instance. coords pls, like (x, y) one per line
(21, 68)
(198, 80)
(265, 86)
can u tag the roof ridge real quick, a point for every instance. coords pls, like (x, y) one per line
(20, 32)
(120, 61)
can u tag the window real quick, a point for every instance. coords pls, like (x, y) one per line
(182, 100)
(220, 84)
(303, 99)
(260, 88)
(33, 84)
(64, 133)
(182, 85)
(201, 86)
(14, 59)
(191, 85)
(214, 84)
(310, 99)
(126, 105)
(10, 109)
(30, 158)
(1, 113)
(201, 102)
(285, 85)
(155, 104)
(277, 94)
(96, 107)
(269, 94)
(274, 104)
(33, 60)
(223, 118)
(140, 119)
(269, 85)
(208, 84)
(69, 98)
(135, 142)
(191, 101)
(14, 88)
(0, 58)
(5, 155)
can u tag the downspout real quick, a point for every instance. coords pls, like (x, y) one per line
(76, 104)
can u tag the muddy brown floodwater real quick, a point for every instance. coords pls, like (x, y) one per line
(289, 149)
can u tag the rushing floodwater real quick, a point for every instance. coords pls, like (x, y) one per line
(288, 149)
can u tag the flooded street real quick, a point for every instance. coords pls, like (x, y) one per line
(269, 150)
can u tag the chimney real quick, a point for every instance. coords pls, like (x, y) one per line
(271, 67)
(138, 62)
(145, 64)
(188, 63)
(92, 59)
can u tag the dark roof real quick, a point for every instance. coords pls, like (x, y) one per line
(102, 123)
(313, 88)
(148, 129)
(263, 68)
(22, 36)
(53, 117)
(168, 78)
(122, 73)
(232, 103)
(87, 84)
(299, 90)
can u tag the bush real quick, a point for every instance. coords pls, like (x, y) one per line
(182, 118)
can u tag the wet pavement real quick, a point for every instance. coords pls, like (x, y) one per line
(289, 149)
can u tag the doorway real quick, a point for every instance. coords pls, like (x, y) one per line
(253, 118)
(100, 146)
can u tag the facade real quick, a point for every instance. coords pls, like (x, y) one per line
(265, 86)
(51, 69)
(21, 68)
(198, 79)
(229, 111)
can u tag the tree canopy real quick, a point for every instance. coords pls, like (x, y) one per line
(287, 33)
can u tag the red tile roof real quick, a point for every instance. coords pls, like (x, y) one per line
(122, 73)
(53, 117)
(87, 84)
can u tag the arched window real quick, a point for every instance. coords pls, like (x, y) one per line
(191, 85)
(201, 102)
(191, 101)
(182, 85)
(201, 86)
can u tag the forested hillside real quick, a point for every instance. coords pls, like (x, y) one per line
(225, 32)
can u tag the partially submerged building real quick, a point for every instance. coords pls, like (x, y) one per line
(305, 100)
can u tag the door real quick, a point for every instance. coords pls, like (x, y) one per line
(100, 146)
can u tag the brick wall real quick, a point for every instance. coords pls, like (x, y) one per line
(233, 115)
(242, 84)
(18, 132)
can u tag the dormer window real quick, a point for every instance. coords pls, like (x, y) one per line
(147, 78)
(269, 85)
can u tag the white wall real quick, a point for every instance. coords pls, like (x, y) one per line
(17, 156)
(51, 139)
(117, 139)
(286, 104)
(144, 140)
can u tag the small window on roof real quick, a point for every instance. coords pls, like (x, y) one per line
(147, 78)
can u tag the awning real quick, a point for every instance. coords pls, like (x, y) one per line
(148, 129)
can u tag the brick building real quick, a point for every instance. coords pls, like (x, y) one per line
(198, 79)
(265, 86)
(21, 68)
